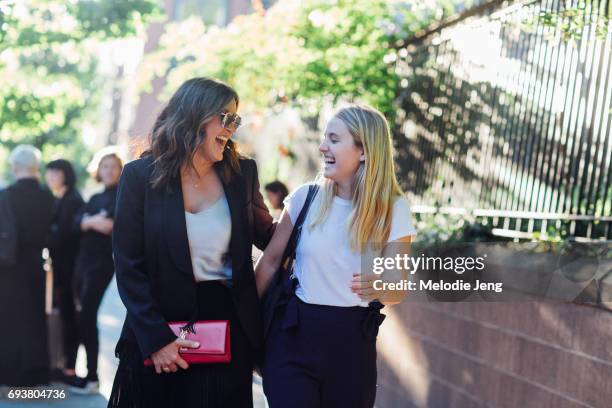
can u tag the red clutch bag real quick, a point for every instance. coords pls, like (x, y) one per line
(214, 339)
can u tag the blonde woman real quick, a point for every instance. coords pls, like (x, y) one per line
(321, 345)
(94, 268)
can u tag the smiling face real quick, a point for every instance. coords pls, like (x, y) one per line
(216, 136)
(341, 155)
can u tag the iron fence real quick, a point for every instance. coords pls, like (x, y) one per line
(506, 119)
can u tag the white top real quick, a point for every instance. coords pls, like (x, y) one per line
(209, 232)
(325, 263)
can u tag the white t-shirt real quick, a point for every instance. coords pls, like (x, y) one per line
(209, 233)
(325, 263)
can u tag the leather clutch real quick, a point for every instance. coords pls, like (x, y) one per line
(214, 339)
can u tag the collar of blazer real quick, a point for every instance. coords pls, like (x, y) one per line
(175, 228)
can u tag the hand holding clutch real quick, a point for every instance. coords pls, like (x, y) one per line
(213, 345)
(168, 358)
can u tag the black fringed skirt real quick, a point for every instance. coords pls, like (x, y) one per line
(201, 385)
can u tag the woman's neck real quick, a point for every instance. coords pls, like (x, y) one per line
(202, 167)
(344, 190)
(60, 192)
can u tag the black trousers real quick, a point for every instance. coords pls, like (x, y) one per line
(321, 356)
(94, 276)
(64, 297)
(201, 385)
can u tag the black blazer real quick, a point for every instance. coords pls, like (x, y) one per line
(152, 259)
(64, 238)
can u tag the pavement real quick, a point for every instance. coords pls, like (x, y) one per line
(110, 319)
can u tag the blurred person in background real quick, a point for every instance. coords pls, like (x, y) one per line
(63, 246)
(94, 264)
(276, 192)
(24, 354)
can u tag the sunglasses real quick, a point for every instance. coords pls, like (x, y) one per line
(230, 121)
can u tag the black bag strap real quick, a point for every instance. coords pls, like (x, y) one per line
(297, 228)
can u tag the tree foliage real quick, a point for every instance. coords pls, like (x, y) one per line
(304, 51)
(572, 19)
(49, 83)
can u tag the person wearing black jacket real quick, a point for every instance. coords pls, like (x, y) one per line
(188, 212)
(94, 263)
(63, 246)
(24, 356)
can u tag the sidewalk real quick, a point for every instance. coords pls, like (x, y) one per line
(110, 320)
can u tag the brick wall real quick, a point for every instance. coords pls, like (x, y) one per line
(495, 354)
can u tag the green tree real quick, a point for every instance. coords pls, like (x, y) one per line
(49, 84)
(306, 52)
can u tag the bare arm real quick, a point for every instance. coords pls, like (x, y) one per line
(362, 284)
(269, 262)
(393, 297)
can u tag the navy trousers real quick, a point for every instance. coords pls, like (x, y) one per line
(321, 356)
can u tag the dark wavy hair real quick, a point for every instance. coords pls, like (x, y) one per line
(278, 187)
(66, 168)
(179, 130)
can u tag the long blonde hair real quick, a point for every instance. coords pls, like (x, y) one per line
(375, 183)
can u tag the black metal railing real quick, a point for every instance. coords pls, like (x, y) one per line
(511, 121)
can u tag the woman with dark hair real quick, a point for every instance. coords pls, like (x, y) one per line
(188, 212)
(276, 192)
(94, 263)
(64, 245)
